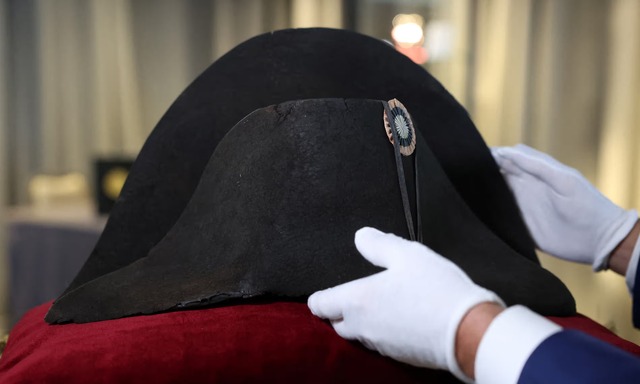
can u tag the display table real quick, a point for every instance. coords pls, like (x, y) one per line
(47, 247)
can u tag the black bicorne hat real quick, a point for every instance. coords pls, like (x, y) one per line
(270, 69)
(277, 207)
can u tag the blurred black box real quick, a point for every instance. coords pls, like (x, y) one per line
(110, 177)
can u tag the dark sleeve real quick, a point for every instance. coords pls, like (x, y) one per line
(575, 357)
(636, 299)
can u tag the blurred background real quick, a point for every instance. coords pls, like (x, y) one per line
(83, 82)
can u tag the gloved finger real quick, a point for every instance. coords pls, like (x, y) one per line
(552, 161)
(506, 165)
(526, 157)
(495, 152)
(331, 303)
(342, 328)
(325, 305)
(516, 160)
(559, 177)
(379, 248)
(530, 151)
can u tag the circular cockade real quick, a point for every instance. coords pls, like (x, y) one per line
(402, 125)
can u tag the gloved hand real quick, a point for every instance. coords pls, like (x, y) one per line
(410, 311)
(566, 215)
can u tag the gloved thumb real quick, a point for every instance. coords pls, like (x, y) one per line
(380, 248)
(331, 302)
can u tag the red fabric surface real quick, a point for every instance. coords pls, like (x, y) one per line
(276, 342)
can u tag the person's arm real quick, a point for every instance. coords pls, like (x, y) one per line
(623, 253)
(472, 327)
(575, 357)
(493, 344)
(520, 346)
(624, 260)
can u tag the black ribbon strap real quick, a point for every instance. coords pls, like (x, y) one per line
(415, 171)
(401, 179)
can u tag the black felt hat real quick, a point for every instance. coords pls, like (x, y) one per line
(277, 207)
(270, 69)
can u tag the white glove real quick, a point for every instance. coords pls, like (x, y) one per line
(566, 215)
(410, 311)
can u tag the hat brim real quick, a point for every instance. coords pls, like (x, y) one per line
(273, 68)
(275, 212)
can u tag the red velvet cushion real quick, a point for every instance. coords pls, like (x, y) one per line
(278, 342)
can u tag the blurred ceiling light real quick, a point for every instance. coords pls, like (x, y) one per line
(408, 30)
(408, 36)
